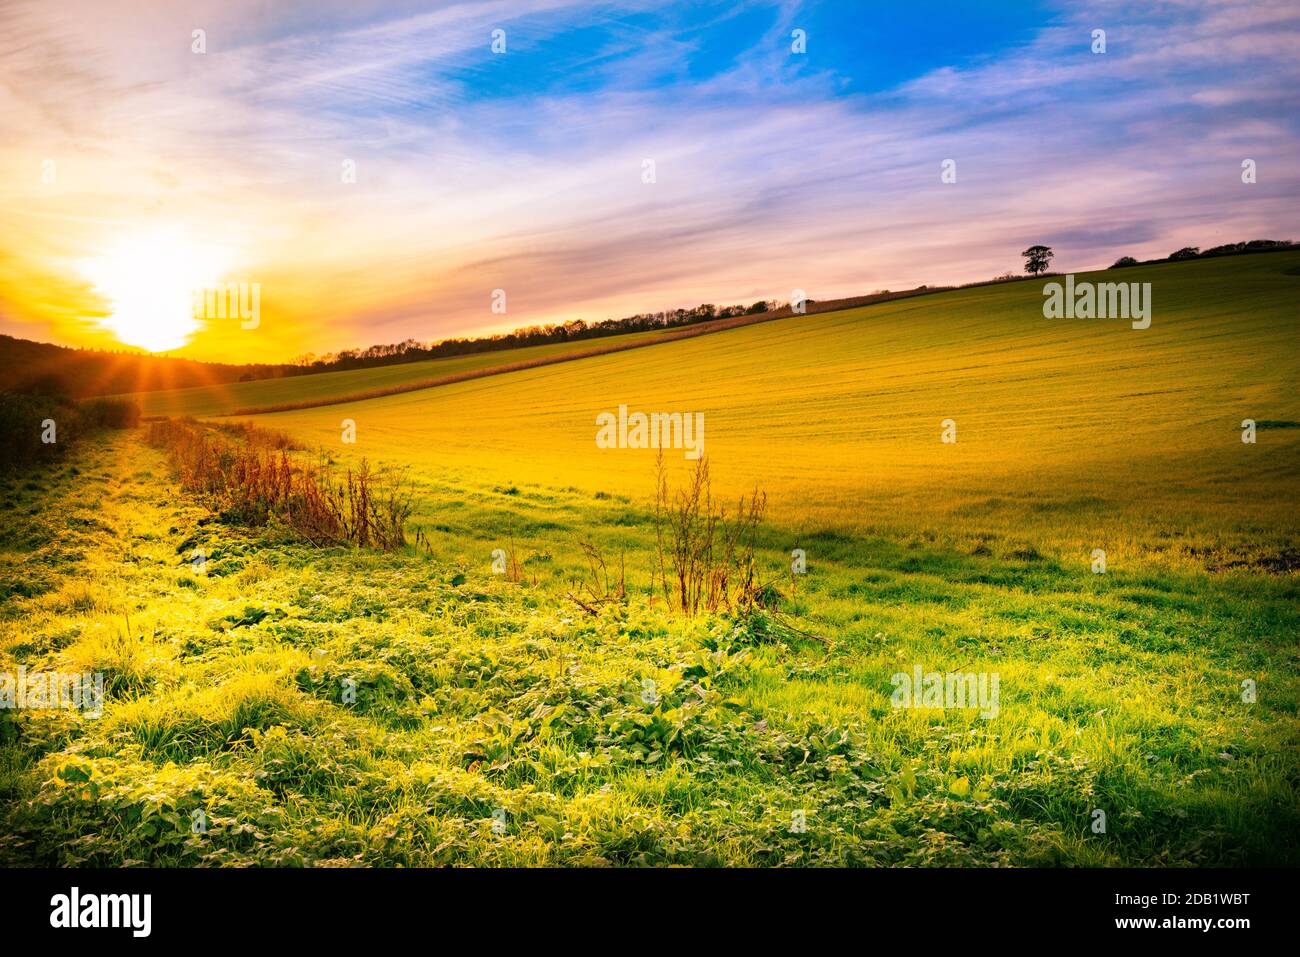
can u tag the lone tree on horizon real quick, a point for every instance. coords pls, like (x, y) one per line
(1037, 259)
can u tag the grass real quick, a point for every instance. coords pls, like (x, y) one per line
(636, 736)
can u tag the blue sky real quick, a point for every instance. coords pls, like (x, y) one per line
(861, 48)
(523, 171)
(665, 47)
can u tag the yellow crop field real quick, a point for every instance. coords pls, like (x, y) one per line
(1074, 430)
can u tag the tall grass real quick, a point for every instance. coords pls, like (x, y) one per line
(599, 588)
(248, 475)
(705, 559)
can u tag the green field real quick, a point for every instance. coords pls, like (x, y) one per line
(482, 699)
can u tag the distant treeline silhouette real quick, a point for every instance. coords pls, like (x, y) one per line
(1195, 252)
(413, 350)
(37, 368)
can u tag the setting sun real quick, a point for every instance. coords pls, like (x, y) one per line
(148, 281)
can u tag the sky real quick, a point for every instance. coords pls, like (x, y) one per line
(380, 171)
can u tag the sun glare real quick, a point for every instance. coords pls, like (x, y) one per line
(149, 280)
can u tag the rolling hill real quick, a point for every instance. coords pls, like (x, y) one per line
(1071, 429)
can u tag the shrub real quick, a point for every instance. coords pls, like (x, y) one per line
(251, 479)
(24, 418)
(105, 413)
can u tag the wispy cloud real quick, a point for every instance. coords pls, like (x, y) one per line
(523, 171)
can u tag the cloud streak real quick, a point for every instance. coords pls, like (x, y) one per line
(523, 171)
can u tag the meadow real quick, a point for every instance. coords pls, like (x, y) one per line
(499, 715)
